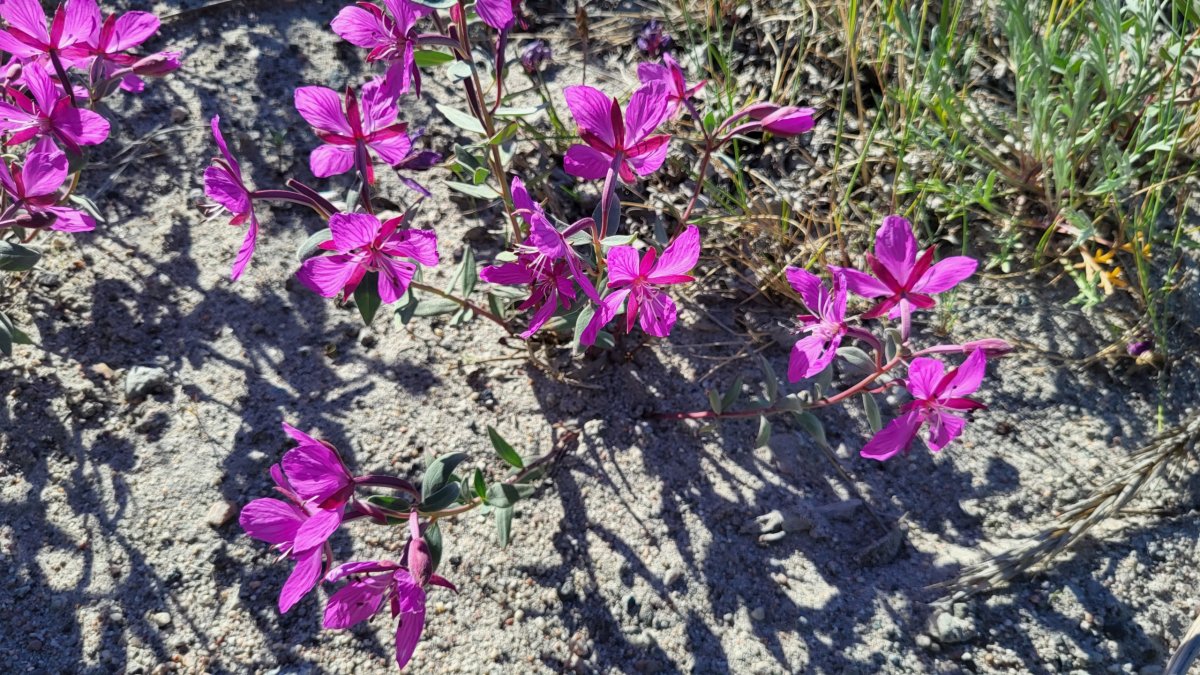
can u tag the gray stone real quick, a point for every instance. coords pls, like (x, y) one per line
(161, 619)
(141, 381)
(949, 629)
(220, 513)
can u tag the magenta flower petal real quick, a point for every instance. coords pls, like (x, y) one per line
(586, 162)
(943, 428)
(420, 245)
(80, 125)
(45, 169)
(356, 601)
(331, 160)
(789, 121)
(810, 356)
(271, 520)
(318, 528)
(41, 86)
(657, 313)
(898, 435)
(508, 274)
(70, 220)
(808, 286)
(967, 377)
(392, 150)
(647, 156)
(394, 278)
(315, 472)
(327, 275)
(945, 274)
(131, 29)
(647, 109)
(592, 110)
(322, 108)
(896, 247)
(861, 283)
(605, 311)
(411, 599)
(677, 259)
(496, 13)
(355, 568)
(924, 376)
(220, 187)
(247, 249)
(26, 16)
(353, 230)
(303, 579)
(361, 28)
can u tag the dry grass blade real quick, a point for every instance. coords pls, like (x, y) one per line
(1189, 649)
(1152, 461)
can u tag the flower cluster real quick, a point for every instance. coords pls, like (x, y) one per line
(320, 495)
(59, 68)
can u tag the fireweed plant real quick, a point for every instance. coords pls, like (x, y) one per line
(58, 68)
(575, 278)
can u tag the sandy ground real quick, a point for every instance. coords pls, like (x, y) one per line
(638, 554)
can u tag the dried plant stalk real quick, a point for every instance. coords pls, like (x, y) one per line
(1148, 463)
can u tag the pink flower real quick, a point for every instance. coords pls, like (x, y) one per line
(640, 281)
(349, 132)
(363, 244)
(671, 74)
(104, 49)
(34, 188)
(49, 113)
(377, 581)
(316, 471)
(904, 277)
(783, 120)
(297, 530)
(27, 37)
(223, 184)
(826, 325)
(615, 140)
(390, 37)
(545, 241)
(937, 398)
(550, 285)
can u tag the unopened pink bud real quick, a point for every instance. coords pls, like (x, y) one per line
(786, 121)
(157, 65)
(990, 346)
(419, 561)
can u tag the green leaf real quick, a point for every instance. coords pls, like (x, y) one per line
(504, 134)
(872, 410)
(397, 504)
(823, 382)
(505, 450)
(813, 426)
(714, 400)
(480, 485)
(433, 539)
(772, 380)
(504, 518)
(309, 248)
(518, 111)
(84, 202)
(366, 297)
(460, 119)
(441, 498)
(439, 472)
(479, 191)
(764, 432)
(731, 396)
(17, 258)
(436, 307)
(502, 495)
(459, 70)
(437, 4)
(615, 240)
(857, 361)
(468, 273)
(406, 307)
(428, 58)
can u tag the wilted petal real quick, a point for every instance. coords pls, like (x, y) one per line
(677, 259)
(898, 435)
(322, 108)
(271, 520)
(586, 162)
(303, 579)
(592, 110)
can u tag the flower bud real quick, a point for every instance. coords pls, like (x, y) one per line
(12, 72)
(783, 120)
(1139, 347)
(533, 55)
(157, 65)
(652, 40)
(991, 347)
(420, 564)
